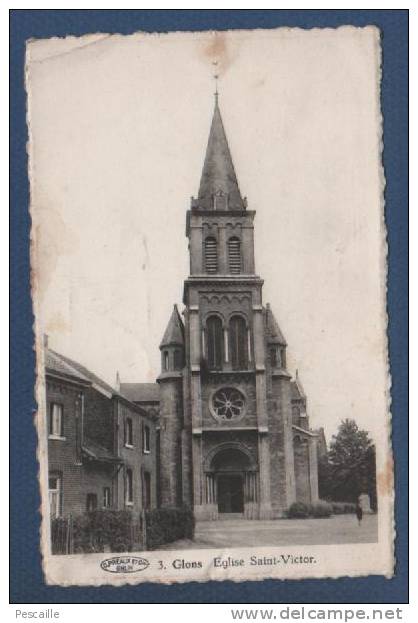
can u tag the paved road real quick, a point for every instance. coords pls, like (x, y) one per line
(245, 533)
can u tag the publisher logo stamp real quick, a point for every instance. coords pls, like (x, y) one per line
(124, 564)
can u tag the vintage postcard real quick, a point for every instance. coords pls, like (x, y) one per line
(208, 257)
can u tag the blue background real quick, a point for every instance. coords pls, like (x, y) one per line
(27, 584)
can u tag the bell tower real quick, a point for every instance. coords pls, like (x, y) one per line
(228, 424)
(224, 333)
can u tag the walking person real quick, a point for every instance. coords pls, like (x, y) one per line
(359, 512)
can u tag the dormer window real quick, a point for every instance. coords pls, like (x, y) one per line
(220, 200)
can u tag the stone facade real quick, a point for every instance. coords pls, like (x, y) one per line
(234, 431)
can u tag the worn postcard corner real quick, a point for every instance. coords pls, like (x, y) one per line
(208, 256)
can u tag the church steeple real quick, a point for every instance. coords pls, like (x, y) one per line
(219, 188)
(174, 333)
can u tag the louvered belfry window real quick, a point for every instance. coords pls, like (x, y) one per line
(211, 255)
(234, 255)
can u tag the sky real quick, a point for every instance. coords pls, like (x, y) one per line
(118, 130)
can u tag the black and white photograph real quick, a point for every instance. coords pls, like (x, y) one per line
(208, 257)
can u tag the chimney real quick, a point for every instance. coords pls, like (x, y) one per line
(45, 340)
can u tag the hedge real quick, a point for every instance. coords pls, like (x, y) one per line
(165, 525)
(340, 508)
(300, 510)
(96, 531)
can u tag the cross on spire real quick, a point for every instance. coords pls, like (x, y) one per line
(216, 77)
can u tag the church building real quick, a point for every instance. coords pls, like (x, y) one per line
(234, 430)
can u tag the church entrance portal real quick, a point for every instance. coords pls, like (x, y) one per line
(231, 483)
(230, 494)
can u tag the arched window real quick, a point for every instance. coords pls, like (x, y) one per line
(211, 255)
(214, 334)
(238, 343)
(234, 255)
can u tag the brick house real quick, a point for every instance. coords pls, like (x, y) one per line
(101, 446)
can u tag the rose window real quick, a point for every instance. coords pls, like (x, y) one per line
(228, 404)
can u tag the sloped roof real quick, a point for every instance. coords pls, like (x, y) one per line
(77, 370)
(294, 391)
(98, 453)
(274, 334)
(55, 363)
(304, 431)
(140, 392)
(218, 174)
(174, 333)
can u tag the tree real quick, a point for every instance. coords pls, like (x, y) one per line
(351, 464)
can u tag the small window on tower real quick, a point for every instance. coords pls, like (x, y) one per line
(211, 255)
(165, 360)
(273, 356)
(178, 359)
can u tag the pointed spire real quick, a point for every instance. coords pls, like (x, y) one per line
(299, 385)
(274, 334)
(174, 333)
(218, 184)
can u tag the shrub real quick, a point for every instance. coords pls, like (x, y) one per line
(340, 508)
(165, 525)
(320, 509)
(92, 532)
(298, 510)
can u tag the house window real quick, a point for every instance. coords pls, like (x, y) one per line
(91, 502)
(129, 437)
(146, 439)
(165, 360)
(55, 496)
(238, 343)
(211, 255)
(129, 488)
(214, 342)
(56, 420)
(234, 255)
(146, 491)
(107, 498)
